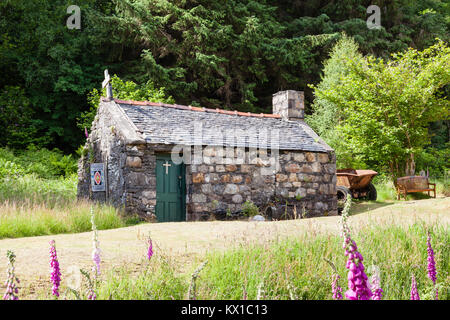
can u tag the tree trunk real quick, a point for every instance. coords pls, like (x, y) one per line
(410, 167)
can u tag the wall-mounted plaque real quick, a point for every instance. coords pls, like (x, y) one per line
(98, 177)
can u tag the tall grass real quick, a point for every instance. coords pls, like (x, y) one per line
(38, 196)
(157, 280)
(295, 268)
(37, 176)
(299, 264)
(385, 191)
(30, 190)
(22, 220)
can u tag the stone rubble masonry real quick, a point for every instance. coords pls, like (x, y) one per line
(289, 104)
(305, 178)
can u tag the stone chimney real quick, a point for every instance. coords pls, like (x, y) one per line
(289, 104)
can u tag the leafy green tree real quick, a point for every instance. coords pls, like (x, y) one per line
(16, 125)
(232, 54)
(404, 23)
(326, 115)
(54, 66)
(237, 53)
(388, 105)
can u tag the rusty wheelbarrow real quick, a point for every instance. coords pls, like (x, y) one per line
(357, 183)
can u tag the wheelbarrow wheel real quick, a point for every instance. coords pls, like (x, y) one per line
(342, 193)
(372, 192)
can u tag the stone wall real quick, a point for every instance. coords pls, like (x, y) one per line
(310, 177)
(104, 145)
(131, 177)
(130, 165)
(306, 180)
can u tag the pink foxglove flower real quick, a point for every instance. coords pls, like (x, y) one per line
(358, 288)
(414, 292)
(92, 295)
(96, 246)
(86, 133)
(11, 287)
(150, 249)
(431, 263)
(337, 290)
(377, 292)
(55, 271)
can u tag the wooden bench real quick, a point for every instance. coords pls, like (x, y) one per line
(411, 184)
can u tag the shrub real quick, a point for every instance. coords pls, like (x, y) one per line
(249, 209)
(434, 160)
(43, 163)
(10, 169)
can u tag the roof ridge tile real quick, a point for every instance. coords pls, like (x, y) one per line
(198, 109)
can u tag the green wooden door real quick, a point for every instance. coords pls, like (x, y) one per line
(170, 190)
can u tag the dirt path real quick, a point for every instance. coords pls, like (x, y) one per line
(187, 240)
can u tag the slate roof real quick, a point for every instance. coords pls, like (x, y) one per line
(176, 124)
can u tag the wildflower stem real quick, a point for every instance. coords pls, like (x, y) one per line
(192, 287)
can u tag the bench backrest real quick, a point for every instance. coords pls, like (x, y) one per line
(413, 182)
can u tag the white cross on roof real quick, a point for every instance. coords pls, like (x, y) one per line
(107, 79)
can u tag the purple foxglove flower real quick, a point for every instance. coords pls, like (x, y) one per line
(92, 295)
(96, 259)
(431, 262)
(96, 246)
(150, 249)
(357, 279)
(358, 288)
(375, 286)
(86, 133)
(414, 292)
(11, 288)
(337, 290)
(55, 272)
(377, 294)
